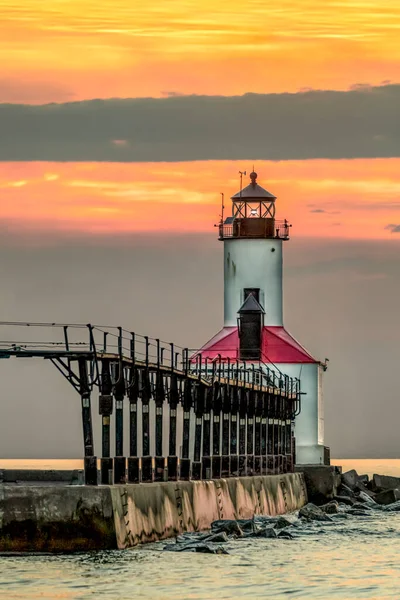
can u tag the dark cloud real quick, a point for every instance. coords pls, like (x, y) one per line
(341, 299)
(361, 122)
(318, 210)
(393, 228)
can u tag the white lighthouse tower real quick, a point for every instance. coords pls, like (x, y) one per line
(253, 266)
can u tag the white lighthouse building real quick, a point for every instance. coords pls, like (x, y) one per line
(253, 266)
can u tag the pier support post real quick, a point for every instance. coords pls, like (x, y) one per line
(133, 395)
(185, 470)
(206, 458)
(242, 432)
(172, 461)
(226, 409)
(250, 433)
(147, 461)
(233, 429)
(199, 411)
(216, 433)
(119, 393)
(264, 435)
(159, 458)
(90, 461)
(105, 410)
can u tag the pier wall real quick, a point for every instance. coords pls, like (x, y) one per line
(61, 518)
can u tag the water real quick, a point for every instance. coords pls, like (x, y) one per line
(357, 558)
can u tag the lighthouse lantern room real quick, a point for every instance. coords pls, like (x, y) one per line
(253, 310)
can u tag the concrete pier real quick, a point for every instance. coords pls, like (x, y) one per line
(67, 518)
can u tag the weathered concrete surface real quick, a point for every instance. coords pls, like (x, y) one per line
(71, 476)
(322, 481)
(55, 518)
(71, 518)
(145, 513)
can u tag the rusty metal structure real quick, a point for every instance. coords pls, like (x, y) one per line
(224, 418)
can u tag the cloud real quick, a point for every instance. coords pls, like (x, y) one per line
(362, 123)
(318, 210)
(393, 228)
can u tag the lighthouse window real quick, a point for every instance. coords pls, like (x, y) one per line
(253, 292)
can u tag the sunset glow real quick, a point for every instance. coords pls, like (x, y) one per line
(62, 50)
(352, 199)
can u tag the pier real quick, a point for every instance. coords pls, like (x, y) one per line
(190, 418)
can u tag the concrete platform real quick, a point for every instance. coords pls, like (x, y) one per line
(67, 518)
(322, 481)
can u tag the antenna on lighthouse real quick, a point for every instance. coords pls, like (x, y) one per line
(222, 207)
(241, 173)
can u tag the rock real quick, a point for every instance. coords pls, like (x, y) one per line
(321, 481)
(246, 525)
(220, 537)
(266, 532)
(388, 497)
(195, 547)
(344, 490)
(363, 479)
(345, 500)
(331, 508)
(310, 512)
(361, 506)
(206, 549)
(285, 534)
(285, 521)
(357, 513)
(350, 478)
(395, 507)
(385, 482)
(228, 526)
(366, 498)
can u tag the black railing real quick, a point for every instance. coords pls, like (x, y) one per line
(280, 230)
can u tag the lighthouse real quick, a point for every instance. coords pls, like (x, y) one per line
(253, 329)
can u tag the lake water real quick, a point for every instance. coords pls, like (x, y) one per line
(357, 558)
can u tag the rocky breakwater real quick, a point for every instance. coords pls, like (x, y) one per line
(380, 489)
(342, 514)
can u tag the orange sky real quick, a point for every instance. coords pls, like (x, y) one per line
(61, 50)
(58, 50)
(353, 198)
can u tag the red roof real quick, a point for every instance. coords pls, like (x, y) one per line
(277, 346)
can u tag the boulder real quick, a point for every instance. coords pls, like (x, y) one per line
(395, 507)
(349, 501)
(366, 497)
(285, 534)
(388, 497)
(266, 532)
(357, 513)
(310, 512)
(285, 521)
(228, 526)
(361, 506)
(331, 508)
(344, 490)
(246, 525)
(364, 479)
(385, 482)
(219, 537)
(350, 478)
(195, 547)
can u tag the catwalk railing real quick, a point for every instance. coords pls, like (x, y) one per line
(188, 418)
